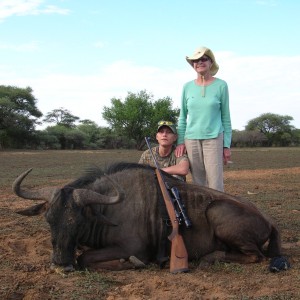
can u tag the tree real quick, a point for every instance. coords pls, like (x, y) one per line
(60, 132)
(273, 126)
(90, 129)
(75, 139)
(18, 115)
(296, 137)
(46, 140)
(250, 138)
(62, 117)
(162, 109)
(138, 115)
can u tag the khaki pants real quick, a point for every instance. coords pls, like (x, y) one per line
(206, 162)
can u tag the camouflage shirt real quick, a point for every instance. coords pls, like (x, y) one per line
(163, 162)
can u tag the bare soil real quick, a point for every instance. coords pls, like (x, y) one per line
(271, 179)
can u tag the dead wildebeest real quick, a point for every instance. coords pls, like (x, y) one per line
(117, 216)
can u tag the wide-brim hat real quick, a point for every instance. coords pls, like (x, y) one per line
(168, 124)
(201, 51)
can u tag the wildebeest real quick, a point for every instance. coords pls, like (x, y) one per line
(113, 215)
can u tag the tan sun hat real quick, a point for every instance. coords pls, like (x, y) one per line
(199, 53)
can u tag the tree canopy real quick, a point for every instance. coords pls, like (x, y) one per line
(137, 116)
(61, 116)
(276, 128)
(270, 123)
(18, 115)
(130, 120)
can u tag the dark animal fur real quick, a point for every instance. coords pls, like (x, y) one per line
(225, 227)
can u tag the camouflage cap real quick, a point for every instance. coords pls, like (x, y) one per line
(169, 124)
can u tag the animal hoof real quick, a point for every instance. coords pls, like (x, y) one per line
(136, 262)
(61, 270)
(162, 261)
(204, 264)
(279, 263)
(69, 268)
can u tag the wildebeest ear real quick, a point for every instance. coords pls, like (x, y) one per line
(33, 210)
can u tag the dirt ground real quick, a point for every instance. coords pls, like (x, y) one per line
(25, 250)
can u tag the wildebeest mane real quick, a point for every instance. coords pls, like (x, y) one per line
(121, 166)
(91, 173)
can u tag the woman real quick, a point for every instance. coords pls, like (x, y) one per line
(204, 127)
(164, 153)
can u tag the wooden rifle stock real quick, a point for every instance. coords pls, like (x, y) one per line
(179, 256)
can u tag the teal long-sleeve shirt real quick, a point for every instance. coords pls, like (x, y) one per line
(204, 112)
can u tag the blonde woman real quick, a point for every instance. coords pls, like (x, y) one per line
(204, 125)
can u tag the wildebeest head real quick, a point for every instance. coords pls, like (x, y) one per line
(67, 210)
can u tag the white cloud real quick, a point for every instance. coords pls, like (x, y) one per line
(256, 84)
(9, 8)
(51, 9)
(99, 44)
(267, 2)
(261, 84)
(25, 47)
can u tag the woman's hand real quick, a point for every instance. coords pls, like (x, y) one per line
(226, 155)
(180, 150)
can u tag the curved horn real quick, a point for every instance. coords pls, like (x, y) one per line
(40, 194)
(86, 197)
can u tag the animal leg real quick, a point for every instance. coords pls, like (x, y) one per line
(112, 265)
(243, 258)
(242, 229)
(233, 257)
(212, 257)
(242, 252)
(113, 258)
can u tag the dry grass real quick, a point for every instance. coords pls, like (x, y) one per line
(268, 177)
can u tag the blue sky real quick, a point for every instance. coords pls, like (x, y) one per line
(80, 54)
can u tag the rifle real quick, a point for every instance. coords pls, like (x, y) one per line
(182, 213)
(179, 255)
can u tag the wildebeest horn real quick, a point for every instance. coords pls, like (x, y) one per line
(40, 194)
(86, 197)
